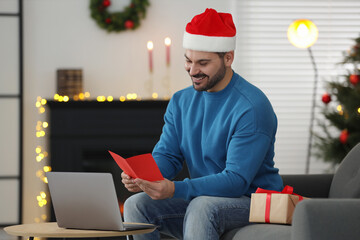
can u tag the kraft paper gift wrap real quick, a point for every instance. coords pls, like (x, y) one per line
(273, 207)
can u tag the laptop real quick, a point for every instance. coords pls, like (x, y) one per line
(87, 201)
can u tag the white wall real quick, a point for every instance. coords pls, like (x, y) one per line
(61, 34)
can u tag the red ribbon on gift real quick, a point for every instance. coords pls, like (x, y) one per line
(287, 190)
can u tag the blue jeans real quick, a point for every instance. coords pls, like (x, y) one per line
(203, 217)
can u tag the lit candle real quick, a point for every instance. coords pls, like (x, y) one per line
(167, 45)
(150, 47)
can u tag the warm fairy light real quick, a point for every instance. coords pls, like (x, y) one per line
(40, 134)
(81, 96)
(45, 124)
(131, 96)
(56, 96)
(43, 101)
(38, 149)
(43, 194)
(122, 99)
(358, 110)
(63, 98)
(40, 157)
(101, 98)
(41, 199)
(110, 98)
(38, 104)
(47, 169)
(87, 94)
(340, 109)
(155, 95)
(45, 180)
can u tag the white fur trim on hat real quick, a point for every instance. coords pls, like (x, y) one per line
(208, 43)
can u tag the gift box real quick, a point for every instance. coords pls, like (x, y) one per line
(273, 207)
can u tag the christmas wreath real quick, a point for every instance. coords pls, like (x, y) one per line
(129, 18)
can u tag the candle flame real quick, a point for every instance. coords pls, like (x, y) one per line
(167, 41)
(150, 45)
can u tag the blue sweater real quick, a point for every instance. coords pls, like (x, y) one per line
(226, 138)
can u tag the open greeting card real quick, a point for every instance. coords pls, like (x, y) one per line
(141, 166)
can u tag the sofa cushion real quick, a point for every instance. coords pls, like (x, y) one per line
(260, 231)
(346, 181)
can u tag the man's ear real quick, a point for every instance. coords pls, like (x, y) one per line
(229, 58)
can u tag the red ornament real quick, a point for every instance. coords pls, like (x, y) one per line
(106, 3)
(326, 98)
(344, 136)
(108, 20)
(129, 24)
(354, 79)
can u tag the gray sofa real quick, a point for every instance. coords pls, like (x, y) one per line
(333, 212)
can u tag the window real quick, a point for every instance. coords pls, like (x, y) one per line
(284, 73)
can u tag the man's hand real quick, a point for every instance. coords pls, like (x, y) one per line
(157, 190)
(129, 183)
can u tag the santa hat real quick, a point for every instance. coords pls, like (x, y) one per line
(210, 31)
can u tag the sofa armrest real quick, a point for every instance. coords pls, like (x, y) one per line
(310, 185)
(326, 219)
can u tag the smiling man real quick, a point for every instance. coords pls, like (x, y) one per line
(224, 128)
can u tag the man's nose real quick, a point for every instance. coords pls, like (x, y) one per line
(193, 70)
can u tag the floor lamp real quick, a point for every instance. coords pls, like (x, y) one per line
(303, 33)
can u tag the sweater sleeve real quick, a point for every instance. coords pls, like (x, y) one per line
(167, 152)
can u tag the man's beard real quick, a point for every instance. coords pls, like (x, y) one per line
(211, 81)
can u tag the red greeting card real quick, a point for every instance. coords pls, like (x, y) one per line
(141, 166)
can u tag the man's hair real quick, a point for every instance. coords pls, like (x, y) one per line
(221, 54)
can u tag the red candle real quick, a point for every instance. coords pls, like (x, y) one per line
(167, 45)
(150, 47)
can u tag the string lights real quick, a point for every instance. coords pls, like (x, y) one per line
(41, 155)
(86, 96)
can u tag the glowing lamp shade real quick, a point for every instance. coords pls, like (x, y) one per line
(302, 33)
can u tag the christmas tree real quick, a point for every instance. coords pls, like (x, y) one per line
(340, 128)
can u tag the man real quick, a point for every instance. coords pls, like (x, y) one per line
(224, 128)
